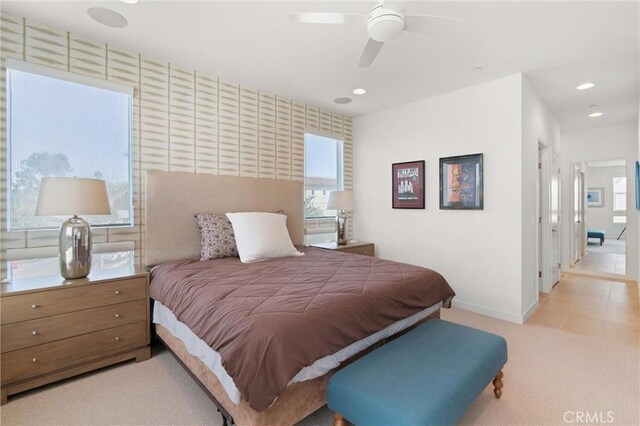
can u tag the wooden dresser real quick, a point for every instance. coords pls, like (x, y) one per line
(52, 328)
(358, 247)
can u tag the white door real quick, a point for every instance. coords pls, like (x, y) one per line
(577, 222)
(583, 215)
(554, 190)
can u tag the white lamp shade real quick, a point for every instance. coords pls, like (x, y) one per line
(68, 196)
(340, 200)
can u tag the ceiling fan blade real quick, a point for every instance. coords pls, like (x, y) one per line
(326, 18)
(369, 53)
(437, 25)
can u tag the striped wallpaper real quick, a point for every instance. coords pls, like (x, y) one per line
(183, 121)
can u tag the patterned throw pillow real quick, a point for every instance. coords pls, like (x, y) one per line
(217, 240)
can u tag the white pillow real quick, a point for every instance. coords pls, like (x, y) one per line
(261, 236)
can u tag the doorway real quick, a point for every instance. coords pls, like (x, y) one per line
(548, 207)
(601, 204)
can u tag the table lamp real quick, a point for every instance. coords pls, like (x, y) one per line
(65, 196)
(343, 202)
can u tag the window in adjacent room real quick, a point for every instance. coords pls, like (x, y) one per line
(620, 194)
(323, 172)
(620, 200)
(64, 124)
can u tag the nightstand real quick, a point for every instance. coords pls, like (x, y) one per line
(358, 247)
(54, 328)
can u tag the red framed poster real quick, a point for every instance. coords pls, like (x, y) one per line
(407, 185)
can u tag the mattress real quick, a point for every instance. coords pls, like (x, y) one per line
(269, 320)
(212, 359)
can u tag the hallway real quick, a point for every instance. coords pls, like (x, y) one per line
(599, 308)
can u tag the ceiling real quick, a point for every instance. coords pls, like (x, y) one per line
(556, 44)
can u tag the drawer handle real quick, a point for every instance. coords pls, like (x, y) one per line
(34, 360)
(117, 292)
(117, 315)
(34, 306)
(34, 333)
(117, 338)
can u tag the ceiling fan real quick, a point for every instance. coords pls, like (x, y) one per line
(384, 24)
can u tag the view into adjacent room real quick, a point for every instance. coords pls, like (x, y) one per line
(604, 214)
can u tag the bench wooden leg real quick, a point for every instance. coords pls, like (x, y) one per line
(338, 420)
(497, 385)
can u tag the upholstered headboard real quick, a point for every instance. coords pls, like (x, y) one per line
(172, 198)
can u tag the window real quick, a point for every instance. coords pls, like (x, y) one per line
(620, 194)
(63, 124)
(323, 172)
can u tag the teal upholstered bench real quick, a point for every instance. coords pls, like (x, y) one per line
(429, 376)
(594, 233)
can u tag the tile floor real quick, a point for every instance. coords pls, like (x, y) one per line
(603, 262)
(603, 309)
(605, 259)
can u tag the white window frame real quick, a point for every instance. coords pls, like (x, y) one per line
(28, 67)
(619, 212)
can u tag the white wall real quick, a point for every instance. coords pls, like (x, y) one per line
(601, 143)
(601, 218)
(539, 126)
(478, 252)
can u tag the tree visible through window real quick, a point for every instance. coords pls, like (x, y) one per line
(58, 127)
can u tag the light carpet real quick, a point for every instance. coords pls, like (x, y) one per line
(549, 373)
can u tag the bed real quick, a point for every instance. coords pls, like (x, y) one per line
(263, 338)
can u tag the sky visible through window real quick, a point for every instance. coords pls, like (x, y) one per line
(320, 156)
(60, 128)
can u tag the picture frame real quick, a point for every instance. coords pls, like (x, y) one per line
(637, 185)
(408, 185)
(462, 182)
(595, 197)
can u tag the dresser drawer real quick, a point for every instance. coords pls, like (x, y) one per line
(43, 330)
(31, 362)
(30, 306)
(366, 250)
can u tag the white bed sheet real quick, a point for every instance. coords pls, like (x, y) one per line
(209, 357)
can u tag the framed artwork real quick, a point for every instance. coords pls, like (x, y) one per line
(407, 185)
(637, 185)
(595, 197)
(461, 183)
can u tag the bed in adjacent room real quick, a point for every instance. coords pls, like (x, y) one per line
(262, 338)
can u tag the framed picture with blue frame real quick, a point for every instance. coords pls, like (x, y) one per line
(637, 185)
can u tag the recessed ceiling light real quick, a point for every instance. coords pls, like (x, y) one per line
(585, 86)
(596, 114)
(130, 1)
(477, 69)
(342, 101)
(359, 91)
(107, 17)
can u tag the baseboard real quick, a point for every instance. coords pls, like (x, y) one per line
(530, 311)
(483, 310)
(595, 274)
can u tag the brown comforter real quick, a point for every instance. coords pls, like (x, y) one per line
(270, 319)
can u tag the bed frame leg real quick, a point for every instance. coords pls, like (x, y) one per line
(338, 420)
(497, 384)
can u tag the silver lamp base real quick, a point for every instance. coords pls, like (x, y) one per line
(75, 248)
(343, 238)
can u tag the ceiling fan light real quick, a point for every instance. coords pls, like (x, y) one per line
(385, 24)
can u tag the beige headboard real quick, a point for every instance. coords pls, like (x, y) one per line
(172, 198)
